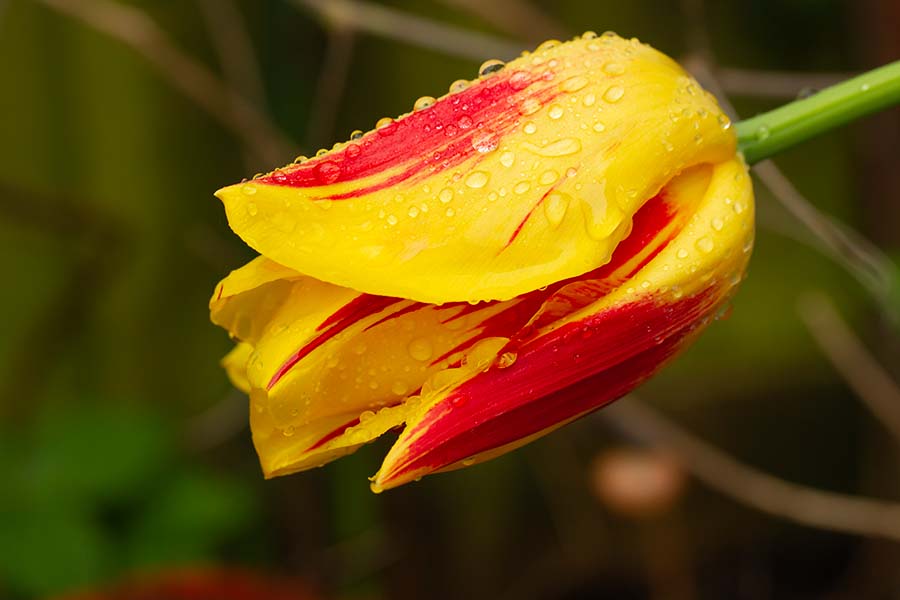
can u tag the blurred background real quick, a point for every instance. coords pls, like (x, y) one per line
(762, 464)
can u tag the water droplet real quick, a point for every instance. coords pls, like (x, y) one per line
(549, 44)
(399, 388)
(300, 159)
(529, 127)
(413, 211)
(423, 102)
(248, 189)
(682, 253)
(738, 207)
(458, 86)
(705, 245)
(529, 106)
(392, 219)
(548, 177)
(383, 123)
(451, 130)
(506, 360)
(613, 94)
(762, 133)
(864, 87)
(588, 35)
(288, 431)
(724, 122)
(573, 84)
(613, 68)
(485, 141)
(464, 122)
(519, 80)
(445, 195)
(356, 134)
(555, 207)
(420, 349)
(328, 172)
(477, 179)
(599, 127)
(522, 187)
(717, 224)
(321, 152)
(252, 210)
(589, 99)
(450, 212)
(556, 111)
(560, 147)
(490, 66)
(507, 159)
(353, 150)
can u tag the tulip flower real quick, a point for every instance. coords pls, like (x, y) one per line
(491, 266)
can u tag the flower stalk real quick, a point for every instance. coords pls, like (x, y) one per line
(765, 135)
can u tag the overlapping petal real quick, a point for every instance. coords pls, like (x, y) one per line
(528, 176)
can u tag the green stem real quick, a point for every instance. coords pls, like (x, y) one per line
(769, 133)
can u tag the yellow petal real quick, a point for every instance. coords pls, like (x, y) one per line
(529, 176)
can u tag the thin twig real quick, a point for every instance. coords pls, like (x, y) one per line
(849, 357)
(520, 18)
(234, 47)
(134, 28)
(420, 31)
(333, 76)
(752, 487)
(777, 85)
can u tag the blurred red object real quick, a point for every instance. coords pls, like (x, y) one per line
(203, 584)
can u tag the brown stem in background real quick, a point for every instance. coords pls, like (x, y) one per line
(520, 18)
(849, 357)
(752, 487)
(333, 76)
(231, 109)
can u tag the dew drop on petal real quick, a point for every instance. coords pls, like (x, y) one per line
(252, 210)
(420, 349)
(529, 128)
(682, 253)
(599, 127)
(248, 189)
(485, 141)
(717, 224)
(613, 68)
(458, 86)
(445, 195)
(555, 207)
(613, 94)
(423, 102)
(548, 177)
(573, 84)
(507, 159)
(522, 187)
(490, 66)
(589, 99)
(556, 111)
(705, 245)
(560, 147)
(477, 179)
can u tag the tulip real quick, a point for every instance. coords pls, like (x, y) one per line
(497, 263)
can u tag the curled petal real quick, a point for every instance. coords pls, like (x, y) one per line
(529, 176)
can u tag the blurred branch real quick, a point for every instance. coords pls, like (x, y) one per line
(401, 26)
(331, 85)
(752, 487)
(234, 47)
(520, 18)
(218, 423)
(850, 358)
(775, 84)
(232, 110)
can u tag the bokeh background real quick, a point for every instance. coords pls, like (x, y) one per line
(124, 452)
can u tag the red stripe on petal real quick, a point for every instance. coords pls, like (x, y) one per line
(438, 137)
(616, 349)
(359, 308)
(333, 434)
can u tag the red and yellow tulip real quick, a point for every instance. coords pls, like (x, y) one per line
(495, 264)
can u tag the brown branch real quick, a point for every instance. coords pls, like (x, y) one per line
(520, 18)
(135, 29)
(333, 76)
(752, 487)
(849, 357)
(397, 25)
